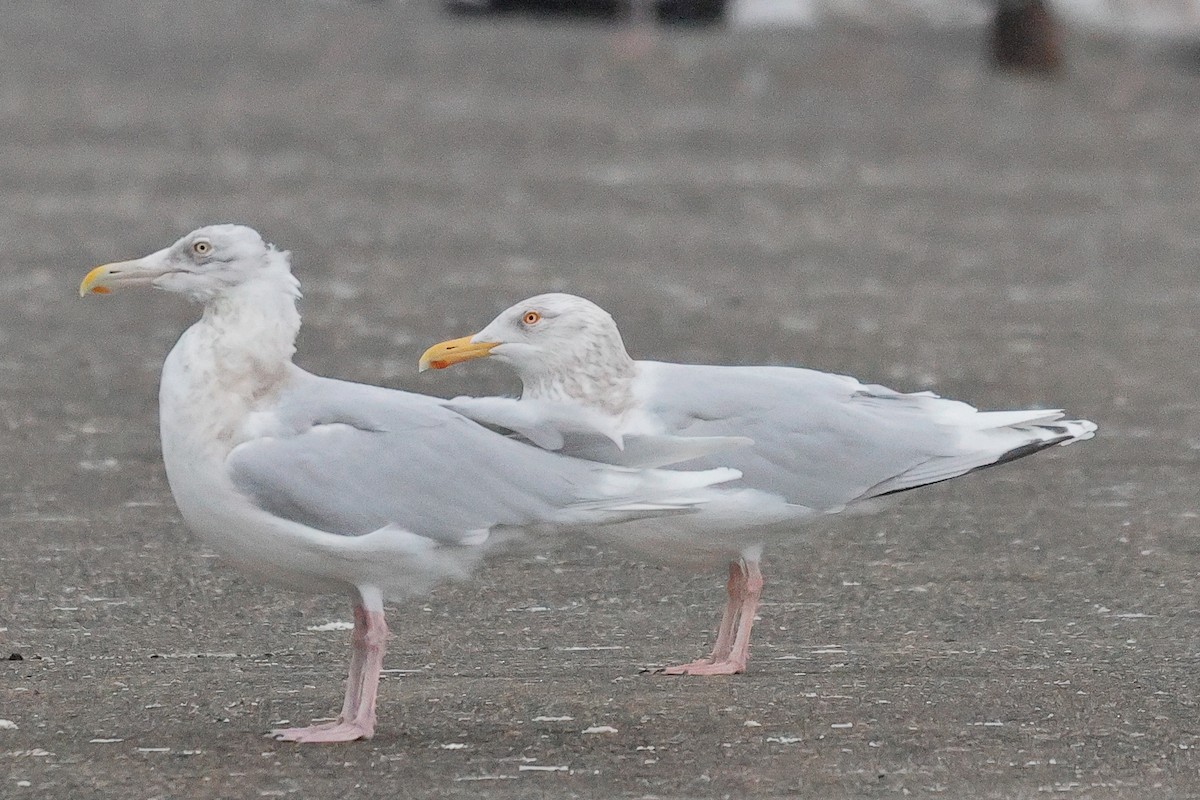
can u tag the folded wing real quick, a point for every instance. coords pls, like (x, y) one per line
(581, 432)
(351, 459)
(824, 441)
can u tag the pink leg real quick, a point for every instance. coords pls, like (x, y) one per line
(353, 682)
(739, 655)
(357, 657)
(731, 652)
(734, 588)
(357, 720)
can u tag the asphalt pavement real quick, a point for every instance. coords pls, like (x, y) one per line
(848, 198)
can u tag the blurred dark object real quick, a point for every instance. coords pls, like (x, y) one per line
(1026, 37)
(688, 12)
(699, 12)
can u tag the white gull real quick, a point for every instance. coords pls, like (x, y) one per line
(822, 443)
(328, 486)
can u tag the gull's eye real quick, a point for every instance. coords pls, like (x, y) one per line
(531, 317)
(201, 247)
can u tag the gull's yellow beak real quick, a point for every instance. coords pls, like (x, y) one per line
(94, 281)
(106, 277)
(445, 354)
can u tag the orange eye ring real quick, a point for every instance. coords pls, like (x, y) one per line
(531, 318)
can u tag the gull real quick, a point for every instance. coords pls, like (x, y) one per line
(328, 486)
(822, 443)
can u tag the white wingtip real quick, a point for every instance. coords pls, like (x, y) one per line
(1079, 430)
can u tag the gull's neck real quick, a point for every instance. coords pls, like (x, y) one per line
(597, 373)
(234, 359)
(251, 329)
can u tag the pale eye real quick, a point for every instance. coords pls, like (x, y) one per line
(531, 318)
(201, 247)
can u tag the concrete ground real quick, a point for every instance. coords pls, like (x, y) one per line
(853, 200)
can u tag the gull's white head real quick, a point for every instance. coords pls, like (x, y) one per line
(562, 347)
(205, 264)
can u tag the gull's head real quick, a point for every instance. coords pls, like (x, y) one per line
(559, 344)
(546, 330)
(203, 265)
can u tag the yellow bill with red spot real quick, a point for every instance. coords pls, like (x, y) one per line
(106, 277)
(454, 351)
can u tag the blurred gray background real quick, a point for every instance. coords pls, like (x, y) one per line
(860, 194)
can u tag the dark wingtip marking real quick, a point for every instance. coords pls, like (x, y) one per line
(1011, 455)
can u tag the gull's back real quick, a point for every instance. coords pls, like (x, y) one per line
(823, 440)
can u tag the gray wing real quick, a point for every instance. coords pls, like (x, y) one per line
(545, 424)
(823, 440)
(576, 430)
(350, 459)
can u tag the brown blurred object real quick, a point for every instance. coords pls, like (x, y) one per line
(1026, 37)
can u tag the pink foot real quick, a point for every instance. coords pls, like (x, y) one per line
(329, 732)
(726, 667)
(316, 726)
(684, 669)
(705, 667)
